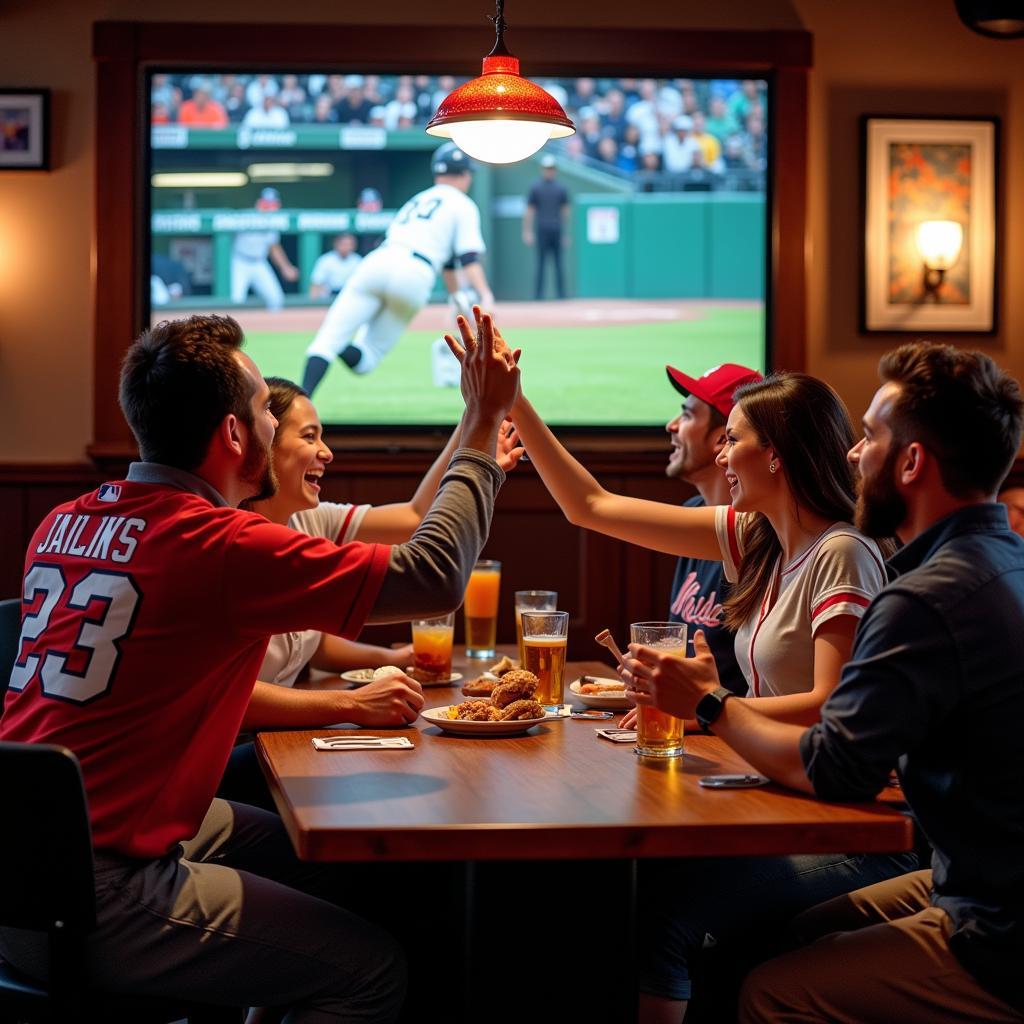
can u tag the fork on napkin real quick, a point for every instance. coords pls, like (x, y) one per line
(358, 742)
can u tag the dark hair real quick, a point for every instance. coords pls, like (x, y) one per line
(962, 407)
(282, 393)
(178, 382)
(806, 423)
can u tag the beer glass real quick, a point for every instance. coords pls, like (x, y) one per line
(531, 601)
(481, 608)
(545, 635)
(432, 647)
(659, 734)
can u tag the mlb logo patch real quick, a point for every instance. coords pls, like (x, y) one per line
(109, 492)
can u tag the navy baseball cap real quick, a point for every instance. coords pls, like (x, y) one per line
(716, 387)
(269, 198)
(370, 200)
(449, 159)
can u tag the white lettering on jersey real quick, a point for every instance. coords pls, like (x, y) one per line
(125, 553)
(56, 536)
(113, 537)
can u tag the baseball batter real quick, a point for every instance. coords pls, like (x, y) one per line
(250, 267)
(437, 229)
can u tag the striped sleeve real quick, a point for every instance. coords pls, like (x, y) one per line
(349, 529)
(847, 573)
(730, 527)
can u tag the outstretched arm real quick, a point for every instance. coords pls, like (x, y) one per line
(650, 524)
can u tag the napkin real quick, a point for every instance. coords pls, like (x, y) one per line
(358, 742)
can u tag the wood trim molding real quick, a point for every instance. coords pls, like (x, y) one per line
(124, 50)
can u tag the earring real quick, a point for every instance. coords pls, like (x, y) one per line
(772, 467)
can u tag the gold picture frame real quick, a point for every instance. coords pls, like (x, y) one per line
(918, 170)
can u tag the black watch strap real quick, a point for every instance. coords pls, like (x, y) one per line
(709, 707)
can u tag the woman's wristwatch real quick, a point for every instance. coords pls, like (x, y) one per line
(709, 707)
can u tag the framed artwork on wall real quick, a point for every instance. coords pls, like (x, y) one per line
(24, 129)
(930, 224)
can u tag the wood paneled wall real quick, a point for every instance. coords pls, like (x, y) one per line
(602, 582)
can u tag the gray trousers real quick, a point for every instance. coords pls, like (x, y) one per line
(231, 918)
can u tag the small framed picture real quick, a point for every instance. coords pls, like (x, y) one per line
(930, 223)
(24, 129)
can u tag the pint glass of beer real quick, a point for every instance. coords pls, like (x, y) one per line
(659, 734)
(432, 647)
(481, 608)
(531, 601)
(545, 635)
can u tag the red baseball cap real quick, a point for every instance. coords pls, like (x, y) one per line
(716, 387)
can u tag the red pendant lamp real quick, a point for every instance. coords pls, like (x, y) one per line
(500, 117)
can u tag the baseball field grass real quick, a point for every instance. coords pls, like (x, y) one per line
(594, 375)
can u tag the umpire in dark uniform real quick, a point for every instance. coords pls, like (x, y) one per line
(547, 207)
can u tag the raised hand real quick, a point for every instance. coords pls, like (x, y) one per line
(490, 379)
(508, 451)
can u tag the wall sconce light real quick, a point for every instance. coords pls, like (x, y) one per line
(500, 117)
(939, 242)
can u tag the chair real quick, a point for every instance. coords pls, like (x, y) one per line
(46, 885)
(10, 631)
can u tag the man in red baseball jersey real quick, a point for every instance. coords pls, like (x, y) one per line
(148, 605)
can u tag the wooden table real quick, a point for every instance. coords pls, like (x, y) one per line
(556, 792)
(557, 813)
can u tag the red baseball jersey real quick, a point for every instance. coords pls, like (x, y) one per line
(147, 611)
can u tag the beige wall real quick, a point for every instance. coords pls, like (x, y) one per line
(911, 56)
(903, 57)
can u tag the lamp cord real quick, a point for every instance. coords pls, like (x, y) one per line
(498, 19)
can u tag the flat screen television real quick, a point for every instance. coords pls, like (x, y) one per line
(664, 249)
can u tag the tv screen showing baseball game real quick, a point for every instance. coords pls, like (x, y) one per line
(315, 210)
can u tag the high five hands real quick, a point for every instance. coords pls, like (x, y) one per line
(490, 374)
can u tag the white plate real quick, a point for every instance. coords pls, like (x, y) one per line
(611, 701)
(464, 727)
(362, 676)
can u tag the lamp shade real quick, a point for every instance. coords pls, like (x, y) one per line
(939, 242)
(500, 117)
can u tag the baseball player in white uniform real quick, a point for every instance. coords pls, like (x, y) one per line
(437, 229)
(250, 267)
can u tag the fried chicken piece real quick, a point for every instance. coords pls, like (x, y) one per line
(477, 711)
(482, 687)
(522, 709)
(515, 685)
(505, 665)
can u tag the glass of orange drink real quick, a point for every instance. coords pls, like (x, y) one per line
(432, 647)
(481, 609)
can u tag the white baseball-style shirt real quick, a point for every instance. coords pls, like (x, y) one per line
(439, 223)
(287, 653)
(331, 271)
(838, 574)
(254, 245)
